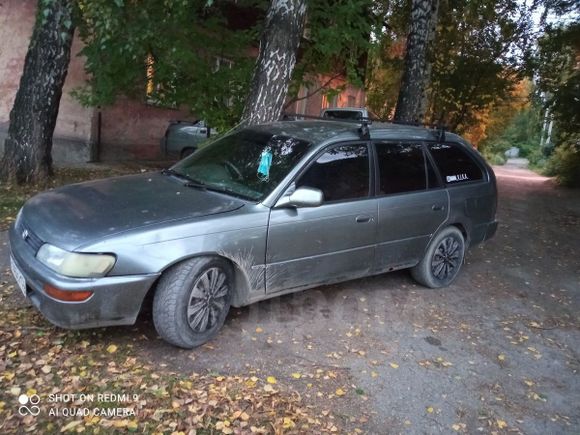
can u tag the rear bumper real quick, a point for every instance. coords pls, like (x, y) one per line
(116, 300)
(482, 232)
(491, 230)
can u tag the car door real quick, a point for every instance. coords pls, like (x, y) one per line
(412, 203)
(331, 242)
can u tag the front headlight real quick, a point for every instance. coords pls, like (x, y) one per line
(74, 264)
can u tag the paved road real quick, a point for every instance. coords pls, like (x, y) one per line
(499, 347)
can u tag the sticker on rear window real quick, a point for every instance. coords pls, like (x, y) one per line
(459, 177)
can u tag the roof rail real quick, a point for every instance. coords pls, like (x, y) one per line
(364, 123)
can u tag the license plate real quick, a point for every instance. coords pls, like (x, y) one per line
(20, 280)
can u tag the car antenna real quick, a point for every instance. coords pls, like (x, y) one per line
(440, 132)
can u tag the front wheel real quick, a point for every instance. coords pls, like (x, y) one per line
(192, 301)
(442, 261)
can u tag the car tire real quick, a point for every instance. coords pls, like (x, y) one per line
(186, 152)
(442, 261)
(192, 301)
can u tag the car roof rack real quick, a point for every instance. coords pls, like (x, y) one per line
(364, 123)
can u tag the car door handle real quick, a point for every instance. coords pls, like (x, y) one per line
(437, 207)
(362, 219)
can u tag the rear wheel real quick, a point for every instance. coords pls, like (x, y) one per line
(442, 261)
(186, 152)
(192, 301)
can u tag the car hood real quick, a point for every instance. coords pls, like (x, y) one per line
(75, 215)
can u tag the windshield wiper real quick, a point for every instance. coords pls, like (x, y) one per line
(190, 181)
(176, 174)
(229, 192)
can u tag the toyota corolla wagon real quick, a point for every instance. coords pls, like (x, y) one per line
(267, 210)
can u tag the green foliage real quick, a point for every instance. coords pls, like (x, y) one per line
(337, 40)
(496, 159)
(176, 43)
(564, 163)
(165, 52)
(522, 131)
(555, 65)
(477, 58)
(386, 57)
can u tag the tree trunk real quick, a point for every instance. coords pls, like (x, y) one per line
(412, 100)
(27, 149)
(278, 46)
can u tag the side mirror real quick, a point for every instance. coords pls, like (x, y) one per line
(302, 197)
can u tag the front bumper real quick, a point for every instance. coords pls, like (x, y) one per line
(116, 300)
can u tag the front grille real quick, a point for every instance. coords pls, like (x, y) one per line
(29, 237)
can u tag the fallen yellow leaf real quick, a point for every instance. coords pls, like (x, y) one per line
(271, 380)
(340, 392)
(70, 425)
(430, 410)
(501, 424)
(501, 357)
(394, 365)
(112, 348)
(296, 375)
(288, 423)
(268, 388)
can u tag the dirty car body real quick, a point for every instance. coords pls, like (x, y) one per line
(297, 205)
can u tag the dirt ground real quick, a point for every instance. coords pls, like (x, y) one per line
(498, 351)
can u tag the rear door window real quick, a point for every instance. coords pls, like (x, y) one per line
(402, 167)
(455, 164)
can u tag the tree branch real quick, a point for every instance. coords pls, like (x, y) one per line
(314, 92)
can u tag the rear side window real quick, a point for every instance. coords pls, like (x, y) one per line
(455, 164)
(341, 173)
(401, 167)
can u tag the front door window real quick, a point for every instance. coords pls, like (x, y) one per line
(341, 173)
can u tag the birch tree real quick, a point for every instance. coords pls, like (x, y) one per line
(276, 60)
(27, 149)
(412, 101)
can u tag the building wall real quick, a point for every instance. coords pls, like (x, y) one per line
(133, 130)
(350, 96)
(72, 136)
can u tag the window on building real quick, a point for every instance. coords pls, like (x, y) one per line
(221, 63)
(156, 94)
(329, 101)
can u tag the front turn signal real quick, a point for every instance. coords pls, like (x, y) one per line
(67, 295)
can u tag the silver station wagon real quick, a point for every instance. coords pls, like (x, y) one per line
(267, 210)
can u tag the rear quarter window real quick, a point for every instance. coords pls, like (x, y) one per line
(455, 164)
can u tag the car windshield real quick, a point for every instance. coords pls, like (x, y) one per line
(247, 164)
